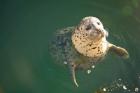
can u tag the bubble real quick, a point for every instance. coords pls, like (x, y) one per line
(139, 77)
(104, 89)
(65, 62)
(88, 71)
(118, 85)
(93, 66)
(124, 87)
(136, 89)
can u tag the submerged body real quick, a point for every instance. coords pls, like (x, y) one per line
(84, 45)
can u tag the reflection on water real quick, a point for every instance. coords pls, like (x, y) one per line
(119, 85)
(27, 27)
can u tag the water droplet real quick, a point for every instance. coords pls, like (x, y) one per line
(88, 71)
(93, 66)
(65, 62)
(104, 89)
(124, 87)
(119, 79)
(136, 89)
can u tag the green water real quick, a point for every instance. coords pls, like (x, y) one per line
(27, 27)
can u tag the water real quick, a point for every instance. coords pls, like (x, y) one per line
(27, 27)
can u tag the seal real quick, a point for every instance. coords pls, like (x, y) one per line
(84, 45)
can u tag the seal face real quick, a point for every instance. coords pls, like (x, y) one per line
(83, 46)
(89, 38)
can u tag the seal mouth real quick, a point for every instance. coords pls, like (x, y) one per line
(99, 31)
(93, 31)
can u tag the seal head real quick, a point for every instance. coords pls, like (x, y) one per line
(92, 27)
(89, 38)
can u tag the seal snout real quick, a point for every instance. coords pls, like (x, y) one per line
(93, 30)
(89, 27)
(92, 27)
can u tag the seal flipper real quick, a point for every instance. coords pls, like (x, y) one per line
(119, 51)
(72, 68)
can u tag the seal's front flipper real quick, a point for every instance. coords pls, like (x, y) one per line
(119, 51)
(72, 68)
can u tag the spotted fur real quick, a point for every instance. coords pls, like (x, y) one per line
(83, 46)
(89, 48)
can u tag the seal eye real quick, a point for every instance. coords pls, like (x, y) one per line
(98, 23)
(88, 27)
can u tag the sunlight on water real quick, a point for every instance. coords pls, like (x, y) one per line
(119, 85)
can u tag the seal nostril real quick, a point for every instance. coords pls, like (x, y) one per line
(88, 27)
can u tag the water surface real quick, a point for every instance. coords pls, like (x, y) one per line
(27, 27)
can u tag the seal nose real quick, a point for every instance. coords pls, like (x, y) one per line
(94, 29)
(89, 27)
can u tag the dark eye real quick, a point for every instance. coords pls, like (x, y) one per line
(98, 23)
(88, 27)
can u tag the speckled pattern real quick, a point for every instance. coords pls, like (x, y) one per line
(63, 50)
(83, 46)
(88, 47)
